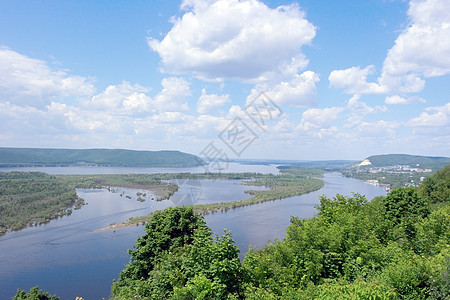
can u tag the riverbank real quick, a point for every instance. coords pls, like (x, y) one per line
(291, 183)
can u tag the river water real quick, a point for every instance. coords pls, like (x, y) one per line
(69, 258)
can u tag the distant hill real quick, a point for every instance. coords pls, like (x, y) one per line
(405, 159)
(21, 157)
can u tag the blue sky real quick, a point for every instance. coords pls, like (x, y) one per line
(339, 79)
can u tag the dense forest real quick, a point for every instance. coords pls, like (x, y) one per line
(33, 198)
(393, 247)
(19, 157)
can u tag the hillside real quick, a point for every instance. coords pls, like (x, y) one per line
(410, 160)
(21, 157)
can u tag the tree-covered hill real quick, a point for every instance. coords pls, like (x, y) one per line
(386, 160)
(14, 157)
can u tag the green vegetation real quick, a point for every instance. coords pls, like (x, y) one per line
(33, 198)
(395, 180)
(436, 189)
(150, 182)
(396, 170)
(178, 257)
(291, 182)
(34, 294)
(394, 247)
(19, 157)
(411, 160)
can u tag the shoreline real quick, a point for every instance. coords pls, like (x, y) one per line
(204, 209)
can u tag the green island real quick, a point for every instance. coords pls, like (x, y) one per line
(393, 247)
(290, 182)
(35, 198)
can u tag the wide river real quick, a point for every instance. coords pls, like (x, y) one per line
(69, 258)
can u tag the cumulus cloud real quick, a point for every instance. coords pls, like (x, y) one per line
(209, 102)
(319, 118)
(422, 50)
(225, 39)
(354, 80)
(299, 91)
(437, 116)
(173, 95)
(125, 98)
(29, 81)
(358, 110)
(131, 99)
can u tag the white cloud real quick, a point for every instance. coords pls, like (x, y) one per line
(210, 102)
(380, 128)
(396, 99)
(209, 124)
(422, 50)
(28, 81)
(122, 98)
(173, 95)
(172, 117)
(319, 118)
(354, 80)
(439, 117)
(358, 110)
(300, 91)
(131, 99)
(224, 39)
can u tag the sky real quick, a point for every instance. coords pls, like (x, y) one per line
(294, 80)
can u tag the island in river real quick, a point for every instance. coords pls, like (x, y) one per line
(32, 198)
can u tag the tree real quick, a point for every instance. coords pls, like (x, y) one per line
(34, 294)
(166, 230)
(437, 187)
(194, 265)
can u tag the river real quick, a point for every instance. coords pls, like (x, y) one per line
(69, 258)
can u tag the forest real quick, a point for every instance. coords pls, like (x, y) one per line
(20, 157)
(33, 198)
(393, 247)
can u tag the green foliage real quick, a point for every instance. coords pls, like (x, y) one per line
(32, 198)
(404, 204)
(34, 294)
(178, 257)
(414, 276)
(166, 231)
(394, 247)
(199, 287)
(436, 189)
(403, 207)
